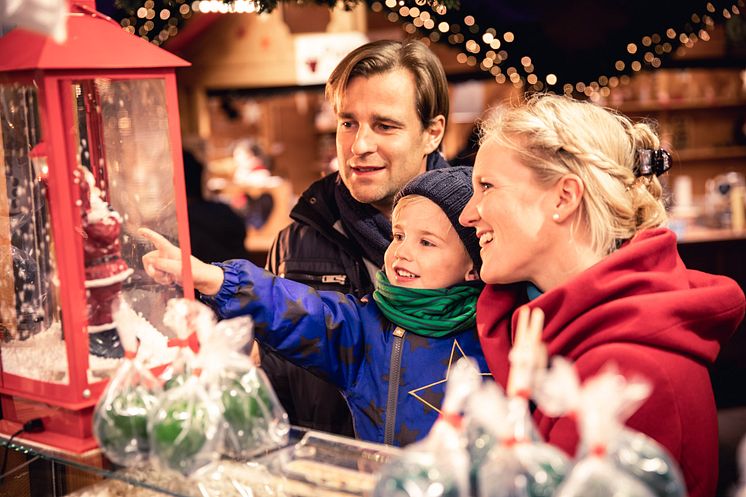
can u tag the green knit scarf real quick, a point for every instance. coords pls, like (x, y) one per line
(432, 313)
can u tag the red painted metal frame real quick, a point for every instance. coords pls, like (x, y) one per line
(67, 408)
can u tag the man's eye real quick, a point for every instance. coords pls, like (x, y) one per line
(345, 124)
(485, 186)
(386, 127)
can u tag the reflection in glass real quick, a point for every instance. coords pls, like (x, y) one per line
(29, 288)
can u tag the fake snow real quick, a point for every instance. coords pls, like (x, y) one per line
(44, 357)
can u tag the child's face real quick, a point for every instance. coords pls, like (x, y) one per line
(426, 252)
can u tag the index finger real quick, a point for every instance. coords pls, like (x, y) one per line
(160, 241)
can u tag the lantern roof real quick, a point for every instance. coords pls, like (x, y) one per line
(94, 41)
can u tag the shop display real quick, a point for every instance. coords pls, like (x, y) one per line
(91, 152)
(613, 460)
(120, 419)
(519, 463)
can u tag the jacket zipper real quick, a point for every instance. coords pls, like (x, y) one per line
(394, 376)
(339, 279)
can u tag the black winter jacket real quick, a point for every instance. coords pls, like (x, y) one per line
(313, 251)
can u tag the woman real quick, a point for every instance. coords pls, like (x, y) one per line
(568, 211)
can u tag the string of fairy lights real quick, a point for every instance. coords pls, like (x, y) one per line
(493, 52)
(478, 45)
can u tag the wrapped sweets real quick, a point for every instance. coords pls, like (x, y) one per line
(519, 464)
(186, 428)
(255, 421)
(184, 317)
(614, 460)
(121, 415)
(438, 465)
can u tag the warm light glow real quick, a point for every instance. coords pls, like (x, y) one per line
(508, 36)
(636, 66)
(671, 33)
(469, 20)
(551, 79)
(461, 58)
(429, 23)
(487, 38)
(632, 48)
(532, 79)
(619, 65)
(647, 41)
(525, 61)
(500, 78)
(443, 27)
(391, 3)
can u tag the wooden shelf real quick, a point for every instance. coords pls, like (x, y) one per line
(709, 153)
(656, 106)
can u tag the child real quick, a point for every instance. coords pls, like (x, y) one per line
(390, 354)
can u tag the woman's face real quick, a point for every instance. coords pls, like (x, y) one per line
(510, 211)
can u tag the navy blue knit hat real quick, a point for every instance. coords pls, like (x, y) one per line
(450, 188)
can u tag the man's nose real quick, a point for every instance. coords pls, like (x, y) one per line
(365, 141)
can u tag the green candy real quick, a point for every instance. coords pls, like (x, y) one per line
(179, 434)
(247, 408)
(176, 380)
(121, 426)
(416, 474)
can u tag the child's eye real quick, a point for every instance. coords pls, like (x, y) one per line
(398, 237)
(426, 243)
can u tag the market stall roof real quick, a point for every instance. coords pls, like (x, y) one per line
(94, 41)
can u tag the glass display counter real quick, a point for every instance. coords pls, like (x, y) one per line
(313, 464)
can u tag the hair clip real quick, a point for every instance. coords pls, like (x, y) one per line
(651, 161)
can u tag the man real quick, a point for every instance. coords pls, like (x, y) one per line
(391, 101)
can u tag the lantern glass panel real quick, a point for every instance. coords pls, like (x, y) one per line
(29, 286)
(122, 134)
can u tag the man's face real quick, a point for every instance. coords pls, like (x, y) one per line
(381, 144)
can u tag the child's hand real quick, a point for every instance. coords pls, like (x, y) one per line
(164, 265)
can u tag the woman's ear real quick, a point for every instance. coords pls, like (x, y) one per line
(435, 132)
(569, 194)
(472, 275)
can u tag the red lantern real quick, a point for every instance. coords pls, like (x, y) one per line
(91, 147)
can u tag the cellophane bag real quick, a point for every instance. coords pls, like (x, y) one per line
(438, 465)
(254, 419)
(120, 418)
(184, 317)
(519, 463)
(186, 427)
(614, 460)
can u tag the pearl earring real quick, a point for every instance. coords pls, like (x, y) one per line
(555, 216)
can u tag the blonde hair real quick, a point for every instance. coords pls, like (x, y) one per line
(556, 135)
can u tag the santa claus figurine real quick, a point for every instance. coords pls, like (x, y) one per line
(105, 270)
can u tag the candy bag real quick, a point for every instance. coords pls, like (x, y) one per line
(255, 421)
(186, 428)
(615, 460)
(519, 463)
(438, 465)
(184, 317)
(120, 417)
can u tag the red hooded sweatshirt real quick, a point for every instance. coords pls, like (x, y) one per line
(641, 308)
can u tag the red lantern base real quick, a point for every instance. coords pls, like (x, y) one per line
(65, 431)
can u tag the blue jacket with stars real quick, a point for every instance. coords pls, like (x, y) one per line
(393, 380)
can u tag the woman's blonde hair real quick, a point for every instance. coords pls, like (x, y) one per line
(556, 135)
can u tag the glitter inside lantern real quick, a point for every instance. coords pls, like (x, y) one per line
(91, 152)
